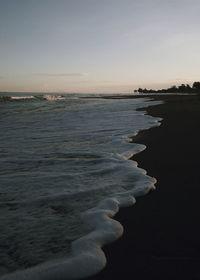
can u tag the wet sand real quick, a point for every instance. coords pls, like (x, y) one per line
(162, 231)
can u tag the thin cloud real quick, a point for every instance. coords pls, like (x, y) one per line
(61, 74)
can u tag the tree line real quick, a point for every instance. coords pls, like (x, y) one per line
(195, 88)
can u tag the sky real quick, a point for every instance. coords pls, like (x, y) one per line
(96, 46)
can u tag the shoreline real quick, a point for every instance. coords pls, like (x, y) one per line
(161, 237)
(86, 250)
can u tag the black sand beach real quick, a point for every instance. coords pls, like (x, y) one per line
(162, 231)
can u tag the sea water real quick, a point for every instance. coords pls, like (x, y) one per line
(65, 171)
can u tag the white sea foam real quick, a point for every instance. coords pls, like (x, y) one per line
(62, 186)
(87, 254)
(53, 97)
(22, 97)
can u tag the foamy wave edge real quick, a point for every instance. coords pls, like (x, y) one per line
(87, 257)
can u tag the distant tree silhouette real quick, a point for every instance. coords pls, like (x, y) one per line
(174, 89)
(140, 90)
(196, 85)
(182, 88)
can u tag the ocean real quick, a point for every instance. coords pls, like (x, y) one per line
(65, 171)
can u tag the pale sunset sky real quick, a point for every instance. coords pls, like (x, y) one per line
(98, 45)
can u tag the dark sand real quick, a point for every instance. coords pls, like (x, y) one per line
(162, 231)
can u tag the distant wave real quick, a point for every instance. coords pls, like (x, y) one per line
(53, 97)
(32, 97)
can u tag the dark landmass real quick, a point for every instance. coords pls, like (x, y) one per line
(195, 89)
(162, 231)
